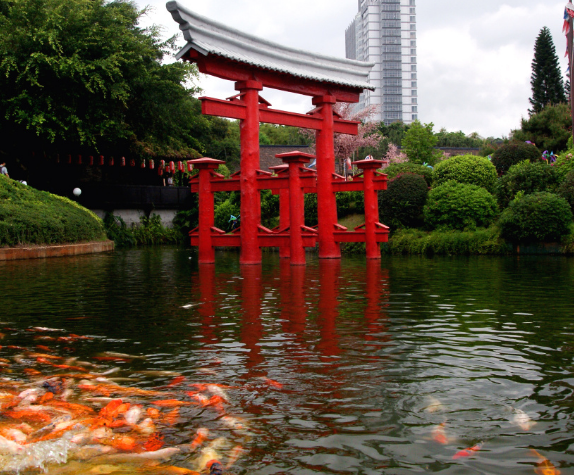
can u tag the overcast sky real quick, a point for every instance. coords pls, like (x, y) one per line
(474, 58)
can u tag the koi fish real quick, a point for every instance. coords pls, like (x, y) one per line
(522, 420)
(161, 454)
(273, 383)
(233, 423)
(121, 355)
(171, 403)
(132, 416)
(468, 451)
(234, 456)
(200, 437)
(171, 417)
(9, 446)
(544, 466)
(439, 434)
(434, 405)
(112, 358)
(155, 442)
(214, 467)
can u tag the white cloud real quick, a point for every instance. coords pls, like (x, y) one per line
(474, 60)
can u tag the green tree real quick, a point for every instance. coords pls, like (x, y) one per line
(546, 80)
(83, 73)
(419, 143)
(549, 129)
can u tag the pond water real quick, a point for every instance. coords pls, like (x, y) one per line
(392, 367)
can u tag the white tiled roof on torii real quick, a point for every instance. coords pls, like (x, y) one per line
(210, 37)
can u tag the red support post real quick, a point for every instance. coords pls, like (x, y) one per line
(371, 206)
(326, 203)
(296, 204)
(206, 209)
(284, 221)
(250, 195)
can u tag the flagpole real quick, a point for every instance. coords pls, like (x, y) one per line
(570, 38)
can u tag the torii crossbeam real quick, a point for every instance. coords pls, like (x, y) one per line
(253, 63)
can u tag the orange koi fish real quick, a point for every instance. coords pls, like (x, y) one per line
(155, 442)
(124, 443)
(200, 437)
(32, 372)
(544, 466)
(44, 348)
(171, 417)
(153, 412)
(78, 409)
(439, 434)
(468, 451)
(273, 383)
(28, 415)
(171, 403)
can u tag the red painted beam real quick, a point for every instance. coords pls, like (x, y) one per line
(235, 71)
(236, 110)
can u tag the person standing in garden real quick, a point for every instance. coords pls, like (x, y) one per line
(3, 169)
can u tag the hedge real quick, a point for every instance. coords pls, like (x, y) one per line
(30, 216)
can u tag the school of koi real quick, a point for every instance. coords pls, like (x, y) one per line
(61, 415)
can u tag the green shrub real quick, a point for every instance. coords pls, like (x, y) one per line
(536, 217)
(408, 167)
(527, 177)
(401, 204)
(415, 241)
(30, 216)
(269, 209)
(513, 153)
(470, 169)
(311, 214)
(565, 163)
(455, 205)
(566, 189)
(350, 202)
(149, 232)
(223, 213)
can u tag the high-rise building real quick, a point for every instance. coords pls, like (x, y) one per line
(384, 32)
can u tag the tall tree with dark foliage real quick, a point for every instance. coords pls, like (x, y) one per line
(546, 81)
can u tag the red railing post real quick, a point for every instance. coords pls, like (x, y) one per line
(206, 209)
(296, 204)
(371, 206)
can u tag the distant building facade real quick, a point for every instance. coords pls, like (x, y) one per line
(384, 32)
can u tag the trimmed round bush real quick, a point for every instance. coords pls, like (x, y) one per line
(402, 203)
(454, 205)
(529, 178)
(565, 163)
(513, 153)
(396, 169)
(538, 217)
(30, 216)
(470, 169)
(566, 189)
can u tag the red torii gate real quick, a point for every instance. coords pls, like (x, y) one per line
(253, 64)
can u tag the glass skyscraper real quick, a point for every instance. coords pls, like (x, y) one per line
(384, 32)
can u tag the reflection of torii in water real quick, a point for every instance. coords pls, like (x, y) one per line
(253, 63)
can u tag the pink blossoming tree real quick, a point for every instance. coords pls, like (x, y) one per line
(346, 145)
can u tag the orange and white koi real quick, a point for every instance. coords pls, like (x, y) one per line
(200, 437)
(468, 451)
(234, 456)
(544, 466)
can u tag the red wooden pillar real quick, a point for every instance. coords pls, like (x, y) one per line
(206, 209)
(326, 203)
(296, 204)
(250, 195)
(371, 206)
(284, 222)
